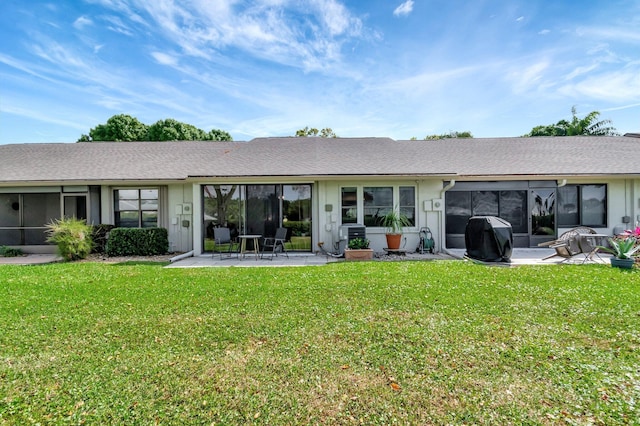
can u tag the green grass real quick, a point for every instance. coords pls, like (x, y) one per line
(350, 343)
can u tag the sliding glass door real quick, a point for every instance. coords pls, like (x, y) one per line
(259, 210)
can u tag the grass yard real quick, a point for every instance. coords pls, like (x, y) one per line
(351, 343)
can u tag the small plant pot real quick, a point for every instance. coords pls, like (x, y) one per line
(393, 241)
(358, 254)
(622, 263)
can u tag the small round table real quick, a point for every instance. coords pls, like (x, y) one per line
(243, 244)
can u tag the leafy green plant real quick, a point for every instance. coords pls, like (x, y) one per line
(137, 242)
(358, 244)
(10, 252)
(72, 236)
(622, 248)
(394, 221)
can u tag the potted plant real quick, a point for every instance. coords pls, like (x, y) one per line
(358, 249)
(623, 250)
(394, 222)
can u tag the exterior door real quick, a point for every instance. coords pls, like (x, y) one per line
(542, 215)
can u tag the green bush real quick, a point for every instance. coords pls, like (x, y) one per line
(99, 235)
(137, 242)
(72, 236)
(10, 252)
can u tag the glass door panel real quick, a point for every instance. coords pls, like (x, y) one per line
(263, 209)
(296, 216)
(542, 209)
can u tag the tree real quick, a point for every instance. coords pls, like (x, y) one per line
(124, 128)
(588, 125)
(119, 128)
(450, 135)
(327, 132)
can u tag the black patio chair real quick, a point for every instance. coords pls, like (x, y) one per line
(271, 244)
(224, 243)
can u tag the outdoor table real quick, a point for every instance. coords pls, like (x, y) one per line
(243, 244)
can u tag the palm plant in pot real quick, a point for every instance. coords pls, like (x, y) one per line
(394, 222)
(623, 250)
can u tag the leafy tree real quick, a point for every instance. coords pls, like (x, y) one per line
(119, 128)
(450, 135)
(327, 132)
(173, 130)
(124, 128)
(588, 125)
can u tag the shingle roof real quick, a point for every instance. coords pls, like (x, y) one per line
(497, 157)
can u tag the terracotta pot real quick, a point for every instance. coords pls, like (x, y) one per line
(358, 254)
(393, 241)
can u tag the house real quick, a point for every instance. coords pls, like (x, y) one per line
(314, 186)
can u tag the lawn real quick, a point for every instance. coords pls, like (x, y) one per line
(442, 342)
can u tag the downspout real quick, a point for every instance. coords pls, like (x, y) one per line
(443, 235)
(562, 183)
(181, 256)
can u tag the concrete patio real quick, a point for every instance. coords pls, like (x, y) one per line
(520, 256)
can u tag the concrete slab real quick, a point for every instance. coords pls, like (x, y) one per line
(30, 259)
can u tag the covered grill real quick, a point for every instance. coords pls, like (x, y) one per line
(489, 239)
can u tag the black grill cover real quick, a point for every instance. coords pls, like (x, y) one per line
(489, 239)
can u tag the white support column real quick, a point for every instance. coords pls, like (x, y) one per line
(197, 216)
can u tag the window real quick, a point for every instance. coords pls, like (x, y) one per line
(369, 204)
(377, 201)
(349, 205)
(582, 205)
(408, 203)
(136, 208)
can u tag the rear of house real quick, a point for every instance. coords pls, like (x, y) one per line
(315, 187)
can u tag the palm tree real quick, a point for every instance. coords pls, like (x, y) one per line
(588, 125)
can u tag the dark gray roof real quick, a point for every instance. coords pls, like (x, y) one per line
(170, 161)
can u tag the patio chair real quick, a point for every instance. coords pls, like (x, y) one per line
(570, 244)
(272, 243)
(224, 243)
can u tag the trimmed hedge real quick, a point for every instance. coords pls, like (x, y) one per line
(137, 242)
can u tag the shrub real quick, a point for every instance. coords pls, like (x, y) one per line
(137, 242)
(10, 252)
(99, 236)
(358, 244)
(72, 236)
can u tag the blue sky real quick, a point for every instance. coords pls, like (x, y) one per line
(391, 68)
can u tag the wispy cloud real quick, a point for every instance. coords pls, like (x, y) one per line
(306, 35)
(82, 22)
(404, 9)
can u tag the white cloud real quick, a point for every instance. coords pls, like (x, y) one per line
(520, 19)
(164, 58)
(307, 35)
(82, 22)
(622, 86)
(525, 78)
(404, 9)
(544, 32)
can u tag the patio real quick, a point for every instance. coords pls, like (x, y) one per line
(520, 256)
